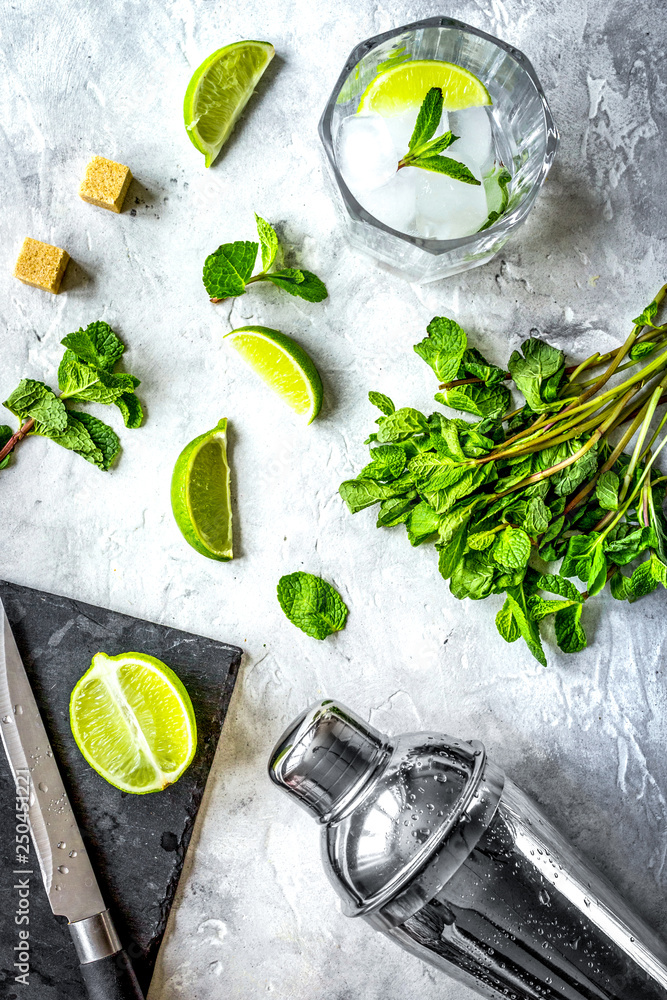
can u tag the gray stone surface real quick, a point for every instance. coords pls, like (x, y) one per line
(254, 914)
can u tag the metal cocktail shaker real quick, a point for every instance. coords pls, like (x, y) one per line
(432, 844)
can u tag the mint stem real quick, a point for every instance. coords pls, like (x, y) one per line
(15, 438)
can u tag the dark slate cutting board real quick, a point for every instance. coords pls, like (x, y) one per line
(136, 843)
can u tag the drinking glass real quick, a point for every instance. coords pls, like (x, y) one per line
(524, 134)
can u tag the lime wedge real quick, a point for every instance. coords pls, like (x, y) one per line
(218, 92)
(284, 366)
(133, 721)
(406, 85)
(200, 494)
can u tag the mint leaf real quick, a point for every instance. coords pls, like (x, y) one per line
(228, 268)
(428, 118)
(482, 400)
(512, 548)
(623, 550)
(388, 462)
(438, 145)
(131, 409)
(451, 551)
(445, 165)
(559, 585)
(396, 510)
(97, 345)
(444, 347)
(647, 315)
(506, 623)
(361, 493)
(312, 604)
(570, 635)
(422, 523)
(382, 402)
(481, 540)
(5, 434)
(268, 240)
(566, 480)
(35, 400)
(303, 284)
(537, 517)
(639, 351)
(642, 582)
(400, 425)
(476, 364)
(81, 382)
(76, 438)
(540, 609)
(606, 490)
(527, 627)
(538, 373)
(102, 436)
(497, 184)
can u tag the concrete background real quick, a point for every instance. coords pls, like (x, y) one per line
(586, 736)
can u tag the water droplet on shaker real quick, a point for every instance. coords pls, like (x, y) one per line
(43, 787)
(72, 854)
(63, 869)
(18, 709)
(6, 719)
(62, 845)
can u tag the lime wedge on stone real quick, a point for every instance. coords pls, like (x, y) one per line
(218, 92)
(133, 721)
(406, 85)
(200, 494)
(284, 366)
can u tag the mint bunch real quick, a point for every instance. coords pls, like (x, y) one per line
(228, 270)
(424, 150)
(525, 489)
(312, 604)
(85, 375)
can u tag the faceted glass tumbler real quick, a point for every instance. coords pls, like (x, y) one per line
(524, 132)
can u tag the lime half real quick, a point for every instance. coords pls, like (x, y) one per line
(218, 92)
(406, 85)
(200, 494)
(133, 721)
(284, 366)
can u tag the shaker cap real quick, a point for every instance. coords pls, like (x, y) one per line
(324, 757)
(402, 814)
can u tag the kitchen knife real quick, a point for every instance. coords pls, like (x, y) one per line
(67, 873)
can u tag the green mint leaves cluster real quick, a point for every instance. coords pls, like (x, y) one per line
(424, 151)
(85, 375)
(228, 270)
(312, 604)
(528, 500)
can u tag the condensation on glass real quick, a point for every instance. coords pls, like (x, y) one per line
(428, 840)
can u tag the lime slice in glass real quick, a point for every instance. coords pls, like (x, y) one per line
(406, 85)
(283, 365)
(133, 721)
(200, 494)
(218, 92)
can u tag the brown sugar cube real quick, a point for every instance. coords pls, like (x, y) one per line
(105, 183)
(41, 265)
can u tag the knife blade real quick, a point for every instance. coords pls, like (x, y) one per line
(67, 874)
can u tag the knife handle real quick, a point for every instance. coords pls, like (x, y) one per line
(111, 978)
(105, 968)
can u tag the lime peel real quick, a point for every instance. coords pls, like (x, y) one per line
(131, 716)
